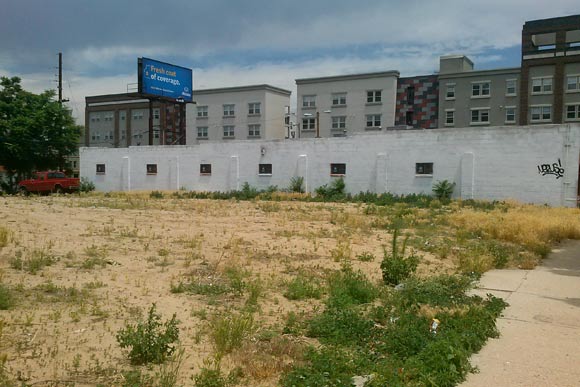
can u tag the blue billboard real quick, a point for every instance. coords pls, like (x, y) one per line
(165, 80)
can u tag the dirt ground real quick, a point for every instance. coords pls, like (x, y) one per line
(113, 257)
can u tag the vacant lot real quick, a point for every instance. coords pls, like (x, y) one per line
(241, 277)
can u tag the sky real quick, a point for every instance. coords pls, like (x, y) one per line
(245, 42)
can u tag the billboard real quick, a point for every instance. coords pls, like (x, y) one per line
(164, 80)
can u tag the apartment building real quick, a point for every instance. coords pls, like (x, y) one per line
(544, 90)
(240, 113)
(550, 73)
(122, 120)
(335, 106)
(476, 98)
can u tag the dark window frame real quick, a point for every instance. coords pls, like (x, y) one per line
(152, 169)
(101, 169)
(424, 169)
(264, 169)
(205, 169)
(337, 169)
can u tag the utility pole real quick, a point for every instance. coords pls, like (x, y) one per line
(60, 78)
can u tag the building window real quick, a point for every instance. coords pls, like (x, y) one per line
(450, 91)
(339, 122)
(573, 112)
(156, 114)
(510, 114)
(254, 108)
(156, 133)
(573, 83)
(374, 96)
(411, 95)
(137, 115)
(425, 169)
(100, 169)
(308, 101)
(480, 116)
(480, 89)
(254, 130)
(510, 87)
(308, 123)
(122, 116)
(541, 113)
(373, 120)
(202, 132)
(264, 169)
(339, 99)
(205, 169)
(409, 118)
(229, 110)
(202, 111)
(337, 169)
(152, 169)
(229, 131)
(542, 85)
(449, 117)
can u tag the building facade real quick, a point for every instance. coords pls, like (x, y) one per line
(544, 90)
(340, 105)
(417, 102)
(122, 120)
(239, 113)
(476, 98)
(550, 79)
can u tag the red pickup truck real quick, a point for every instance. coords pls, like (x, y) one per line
(49, 181)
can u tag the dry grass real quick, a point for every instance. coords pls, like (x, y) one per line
(535, 228)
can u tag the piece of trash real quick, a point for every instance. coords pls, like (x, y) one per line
(434, 326)
(360, 381)
(400, 286)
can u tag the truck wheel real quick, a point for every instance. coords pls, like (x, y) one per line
(58, 189)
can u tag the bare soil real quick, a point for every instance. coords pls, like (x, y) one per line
(116, 256)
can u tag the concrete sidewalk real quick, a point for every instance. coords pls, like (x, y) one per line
(539, 344)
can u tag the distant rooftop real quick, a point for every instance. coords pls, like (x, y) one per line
(391, 73)
(237, 89)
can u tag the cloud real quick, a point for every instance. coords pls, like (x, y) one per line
(231, 43)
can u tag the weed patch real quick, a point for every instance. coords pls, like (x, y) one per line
(150, 341)
(37, 260)
(395, 341)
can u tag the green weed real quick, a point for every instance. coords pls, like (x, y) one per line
(150, 341)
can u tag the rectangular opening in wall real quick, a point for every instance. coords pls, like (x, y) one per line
(264, 169)
(205, 169)
(152, 169)
(100, 169)
(337, 169)
(424, 169)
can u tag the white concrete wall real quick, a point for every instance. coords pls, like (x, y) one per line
(486, 163)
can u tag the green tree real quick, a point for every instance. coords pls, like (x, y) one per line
(36, 131)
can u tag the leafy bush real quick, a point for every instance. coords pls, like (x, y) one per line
(156, 195)
(86, 185)
(443, 190)
(395, 266)
(334, 191)
(296, 184)
(150, 341)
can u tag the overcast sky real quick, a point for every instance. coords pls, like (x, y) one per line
(242, 42)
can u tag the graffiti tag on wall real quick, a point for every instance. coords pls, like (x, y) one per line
(551, 169)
